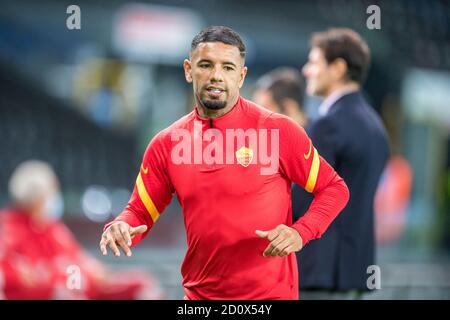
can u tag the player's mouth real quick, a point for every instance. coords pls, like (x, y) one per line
(215, 92)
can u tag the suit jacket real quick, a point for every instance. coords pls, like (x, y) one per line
(352, 138)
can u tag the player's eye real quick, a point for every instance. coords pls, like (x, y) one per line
(228, 68)
(203, 65)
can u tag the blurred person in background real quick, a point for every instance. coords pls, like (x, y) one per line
(392, 200)
(282, 90)
(352, 138)
(39, 255)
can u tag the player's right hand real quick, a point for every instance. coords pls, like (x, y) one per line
(119, 234)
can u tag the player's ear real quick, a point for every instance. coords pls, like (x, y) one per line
(243, 74)
(187, 70)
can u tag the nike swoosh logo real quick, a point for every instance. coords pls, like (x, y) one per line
(307, 155)
(144, 170)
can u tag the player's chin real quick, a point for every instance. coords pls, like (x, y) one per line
(214, 104)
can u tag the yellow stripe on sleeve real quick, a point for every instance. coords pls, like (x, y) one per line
(146, 200)
(313, 173)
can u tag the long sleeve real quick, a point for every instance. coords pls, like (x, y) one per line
(302, 164)
(326, 139)
(153, 189)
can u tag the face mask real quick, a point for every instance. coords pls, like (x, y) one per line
(54, 206)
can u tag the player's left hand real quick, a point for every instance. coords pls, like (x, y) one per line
(283, 241)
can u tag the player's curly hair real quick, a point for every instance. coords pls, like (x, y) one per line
(219, 34)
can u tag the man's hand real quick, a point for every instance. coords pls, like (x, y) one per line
(283, 241)
(120, 233)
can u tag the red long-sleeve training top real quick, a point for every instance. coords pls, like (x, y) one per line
(232, 175)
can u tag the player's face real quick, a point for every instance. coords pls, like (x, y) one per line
(318, 73)
(217, 72)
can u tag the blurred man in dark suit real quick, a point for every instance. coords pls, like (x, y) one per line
(351, 137)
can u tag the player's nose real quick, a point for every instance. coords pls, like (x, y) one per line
(217, 75)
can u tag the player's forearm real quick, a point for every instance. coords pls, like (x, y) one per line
(325, 207)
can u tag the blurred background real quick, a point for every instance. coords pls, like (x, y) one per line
(87, 101)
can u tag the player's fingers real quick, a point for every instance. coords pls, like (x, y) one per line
(280, 246)
(273, 234)
(267, 251)
(138, 230)
(116, 234)
(262, 234)
(120, 240)
(125, 231)
(103, 246)
(287, 251)
(104, 242)
(271, 246)
(270, 235)
(112, 244)
(281, 237)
